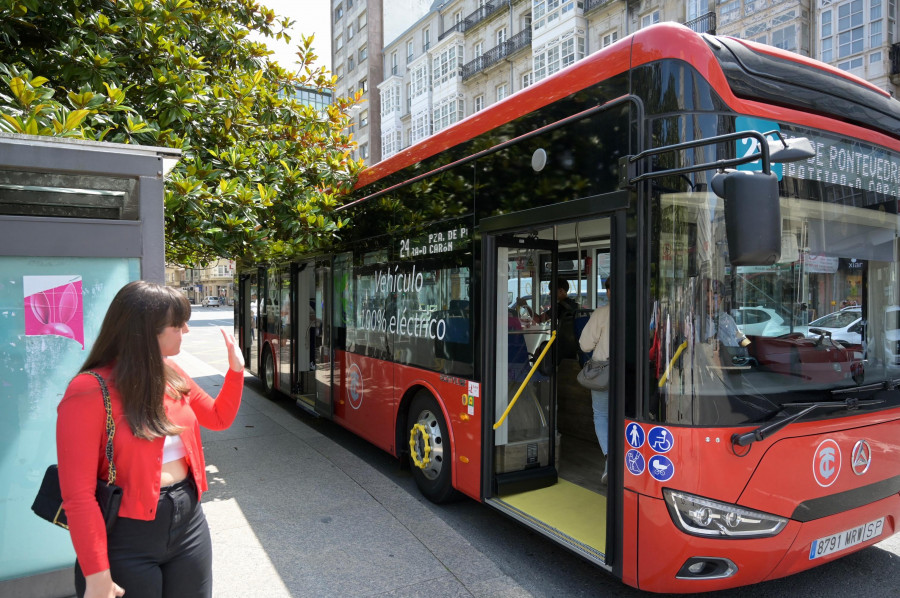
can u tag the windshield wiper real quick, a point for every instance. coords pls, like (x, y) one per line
(767, 430)
(884, 385)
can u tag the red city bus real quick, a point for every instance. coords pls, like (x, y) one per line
(743, 202)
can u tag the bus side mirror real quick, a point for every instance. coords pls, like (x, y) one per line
(752, 216)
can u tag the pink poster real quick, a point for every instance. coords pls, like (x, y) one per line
(53, 305)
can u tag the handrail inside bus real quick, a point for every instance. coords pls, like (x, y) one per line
(554, 125)
(534, 368)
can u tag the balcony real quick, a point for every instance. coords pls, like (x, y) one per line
(590, 5)
(483, 12)
(703, 24)
(895, 64)
(497, 53)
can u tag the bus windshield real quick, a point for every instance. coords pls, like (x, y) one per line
(731, 344)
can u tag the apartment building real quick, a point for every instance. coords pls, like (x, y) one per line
(464, 55)
(358, 31)
(216, 279)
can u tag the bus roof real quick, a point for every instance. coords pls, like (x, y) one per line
(749, 70)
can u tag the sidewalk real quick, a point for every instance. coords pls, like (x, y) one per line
(294, 514)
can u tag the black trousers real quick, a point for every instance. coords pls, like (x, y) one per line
(169, 557)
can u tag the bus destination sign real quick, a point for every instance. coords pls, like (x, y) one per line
(435, 243)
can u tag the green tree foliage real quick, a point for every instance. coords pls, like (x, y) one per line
(261, 174)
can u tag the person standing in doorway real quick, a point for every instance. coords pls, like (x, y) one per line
(595, 340)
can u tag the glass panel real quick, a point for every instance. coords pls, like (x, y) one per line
(523, 439)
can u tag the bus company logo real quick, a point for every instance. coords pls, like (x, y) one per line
(861, 457)
(827, 463)
(355, 386)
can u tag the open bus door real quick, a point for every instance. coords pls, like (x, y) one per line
(246, 322)
(313, 350)
(548, 473)
(524, 443)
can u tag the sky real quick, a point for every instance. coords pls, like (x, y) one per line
(310, 16)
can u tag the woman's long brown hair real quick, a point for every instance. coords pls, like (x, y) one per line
(128, 341)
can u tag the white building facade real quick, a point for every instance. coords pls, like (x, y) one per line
(464, 55)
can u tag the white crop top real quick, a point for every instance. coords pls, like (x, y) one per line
(173, 449)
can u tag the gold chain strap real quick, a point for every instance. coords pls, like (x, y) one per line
(110, 427)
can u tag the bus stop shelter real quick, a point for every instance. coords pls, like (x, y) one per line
(78, 220)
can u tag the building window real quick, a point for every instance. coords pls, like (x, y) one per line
(479, 49)
(875, 34)
(527, 79)
(421, 126)
(502, 35)
(785, 38)
(609, 39)
(363, 54)
(849, 65)
(457, 18)
(339, 71)
(651, 19)
(390, 100)
(409, 51)
(540, 66)
(349, 31)
(446, 65)
(364, 151)
(364, 85)
(557, 54)
(426, 39)
(447, 113)
(350, 64)
(394, 65)
(361, 21)
(478, 103)
(502, 91)
(391, 144)
(363, 119)
(420, 80)
(408, 97)
(339, 42)
(338, 12)
(349, 3)
(730, 11)
(850, 28)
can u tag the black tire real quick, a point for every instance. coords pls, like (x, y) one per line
(430, 455)
(267, 372)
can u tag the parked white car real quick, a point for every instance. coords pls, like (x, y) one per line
(210, 302)
(844, 326)
(759, 321)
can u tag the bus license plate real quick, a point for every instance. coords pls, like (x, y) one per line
(846, 539)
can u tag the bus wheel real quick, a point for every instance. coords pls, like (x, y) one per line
(267, 375)
(429, 449)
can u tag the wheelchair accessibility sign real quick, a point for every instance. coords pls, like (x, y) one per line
(634, 433)
(660, 440)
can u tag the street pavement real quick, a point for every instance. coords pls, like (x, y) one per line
(293, 513)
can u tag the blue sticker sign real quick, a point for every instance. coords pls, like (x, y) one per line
(749, 145)
(634, 462)
(661, 468)
(634, 434)
(660, 440)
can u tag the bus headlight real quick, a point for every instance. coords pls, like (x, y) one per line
(713, 519)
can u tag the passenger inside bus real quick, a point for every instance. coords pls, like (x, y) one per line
(594, 339)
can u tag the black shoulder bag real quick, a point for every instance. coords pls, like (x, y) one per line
(48, 503)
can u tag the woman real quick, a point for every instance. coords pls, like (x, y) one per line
(595, 340)
(160, 545)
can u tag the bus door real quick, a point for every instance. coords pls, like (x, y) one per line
(320, 337)
(246, 321)
(524, 445)
(305, 321)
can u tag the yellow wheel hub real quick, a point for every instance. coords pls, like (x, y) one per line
(421, 458)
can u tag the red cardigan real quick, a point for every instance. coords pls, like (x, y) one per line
(81, 453)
